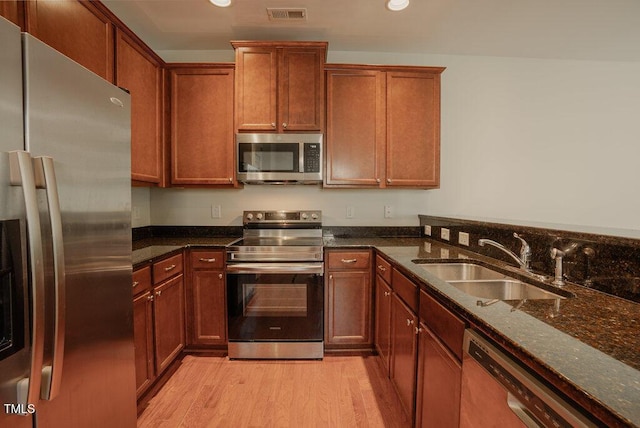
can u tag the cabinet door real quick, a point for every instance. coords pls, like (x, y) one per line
(202, 143)
(208, 308)
(301, 90)
(13, 10)
(77, 29)
(168, 321)
(404, 352)
(256, 80)
(140, 73)
(439, 381)
(413, 129)
(383, 320)
(348, 308)
(355, 127)
(143, 340)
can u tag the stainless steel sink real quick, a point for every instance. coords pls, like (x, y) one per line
(486, 283)
(503, 289)
(461, 271)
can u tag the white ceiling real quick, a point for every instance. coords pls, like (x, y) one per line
(607, 30)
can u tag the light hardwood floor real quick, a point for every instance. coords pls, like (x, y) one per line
(345, 391)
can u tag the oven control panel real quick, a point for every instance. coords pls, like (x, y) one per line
(281, 217)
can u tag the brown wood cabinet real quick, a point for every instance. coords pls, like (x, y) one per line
(80, 30)
(383, 126)
(158, 318)
(348, 299)
(202, 137)
(383, 294)
(206, 299)
(404, 352)
(143, 329)
(439, 376)
(139, 71)
(13, 10)
(280, 86)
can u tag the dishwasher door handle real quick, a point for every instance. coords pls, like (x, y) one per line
(521, 411)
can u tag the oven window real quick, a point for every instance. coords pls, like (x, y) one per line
(285, 300)
(269, 157)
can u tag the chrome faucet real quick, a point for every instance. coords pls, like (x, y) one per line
(557, 255)
(524, 261)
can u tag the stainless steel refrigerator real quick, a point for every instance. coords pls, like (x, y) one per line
(66, 328)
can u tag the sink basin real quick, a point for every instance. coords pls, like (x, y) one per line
(503, 289)
(461, 271)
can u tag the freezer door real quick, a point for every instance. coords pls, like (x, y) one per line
(81, 125)
(15, 359)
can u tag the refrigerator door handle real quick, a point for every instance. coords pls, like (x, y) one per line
(21, 174)
(46, 179)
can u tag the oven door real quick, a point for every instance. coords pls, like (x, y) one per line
(275, 302)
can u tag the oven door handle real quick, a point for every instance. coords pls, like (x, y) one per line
(311, 268)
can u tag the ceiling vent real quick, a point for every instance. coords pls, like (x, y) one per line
(287, 14)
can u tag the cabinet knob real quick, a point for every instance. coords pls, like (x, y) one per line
(377, 180)
(273, 124)
(135, 284)
(387, 293)
(349, 260)
(409, 322)
(230, 180)
(418, 330)
(150, 297)
(382, 268)
(168, 268)
(220, 276)
(158, 293)
(330, 276)
(284, 125)
(389, 180)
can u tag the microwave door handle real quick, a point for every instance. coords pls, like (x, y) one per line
(22, 174)
(52, 374)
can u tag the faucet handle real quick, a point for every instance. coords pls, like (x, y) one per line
(526, 249)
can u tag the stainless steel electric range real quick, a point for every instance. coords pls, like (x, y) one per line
(275, 287)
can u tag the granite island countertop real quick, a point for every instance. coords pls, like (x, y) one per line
(590, 348)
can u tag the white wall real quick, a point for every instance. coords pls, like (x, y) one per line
(524, 140)
(140, 206)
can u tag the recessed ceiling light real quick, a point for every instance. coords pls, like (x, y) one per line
(221, 3)
(396, 5)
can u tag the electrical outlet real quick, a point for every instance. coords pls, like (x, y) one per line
(351, 212)
(216, 211)
(463, 238)
(427, 230)
(444, 233)
(388, 211)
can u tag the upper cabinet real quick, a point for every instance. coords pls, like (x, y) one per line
(77, 29)
(280, 86)
(13, 10)
(140, 72)
(202, 148)
(383, 126)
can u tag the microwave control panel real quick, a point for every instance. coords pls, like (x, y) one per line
(312, 157)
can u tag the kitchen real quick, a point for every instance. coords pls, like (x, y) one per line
(530, 123)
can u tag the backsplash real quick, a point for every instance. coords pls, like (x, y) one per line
(607, 263)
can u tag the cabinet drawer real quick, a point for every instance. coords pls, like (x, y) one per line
(207, 259)
(141, 280)
(167, 268)
(349, 259)
(406, 289)
(383, 268)
(448, 327)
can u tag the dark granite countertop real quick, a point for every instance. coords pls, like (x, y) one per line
(590, 348)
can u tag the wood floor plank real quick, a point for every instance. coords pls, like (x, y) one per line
(340, 391)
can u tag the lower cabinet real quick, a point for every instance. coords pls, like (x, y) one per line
(348, 300)
(206, 295)
(158, 318)
(439, 383)
(404, 348)
(383, 321)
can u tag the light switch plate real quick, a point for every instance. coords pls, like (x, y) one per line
(444, 233)
(463, 238)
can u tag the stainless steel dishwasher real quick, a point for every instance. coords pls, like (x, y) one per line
(498, 392)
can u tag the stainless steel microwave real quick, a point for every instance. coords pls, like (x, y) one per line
(279, 158)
